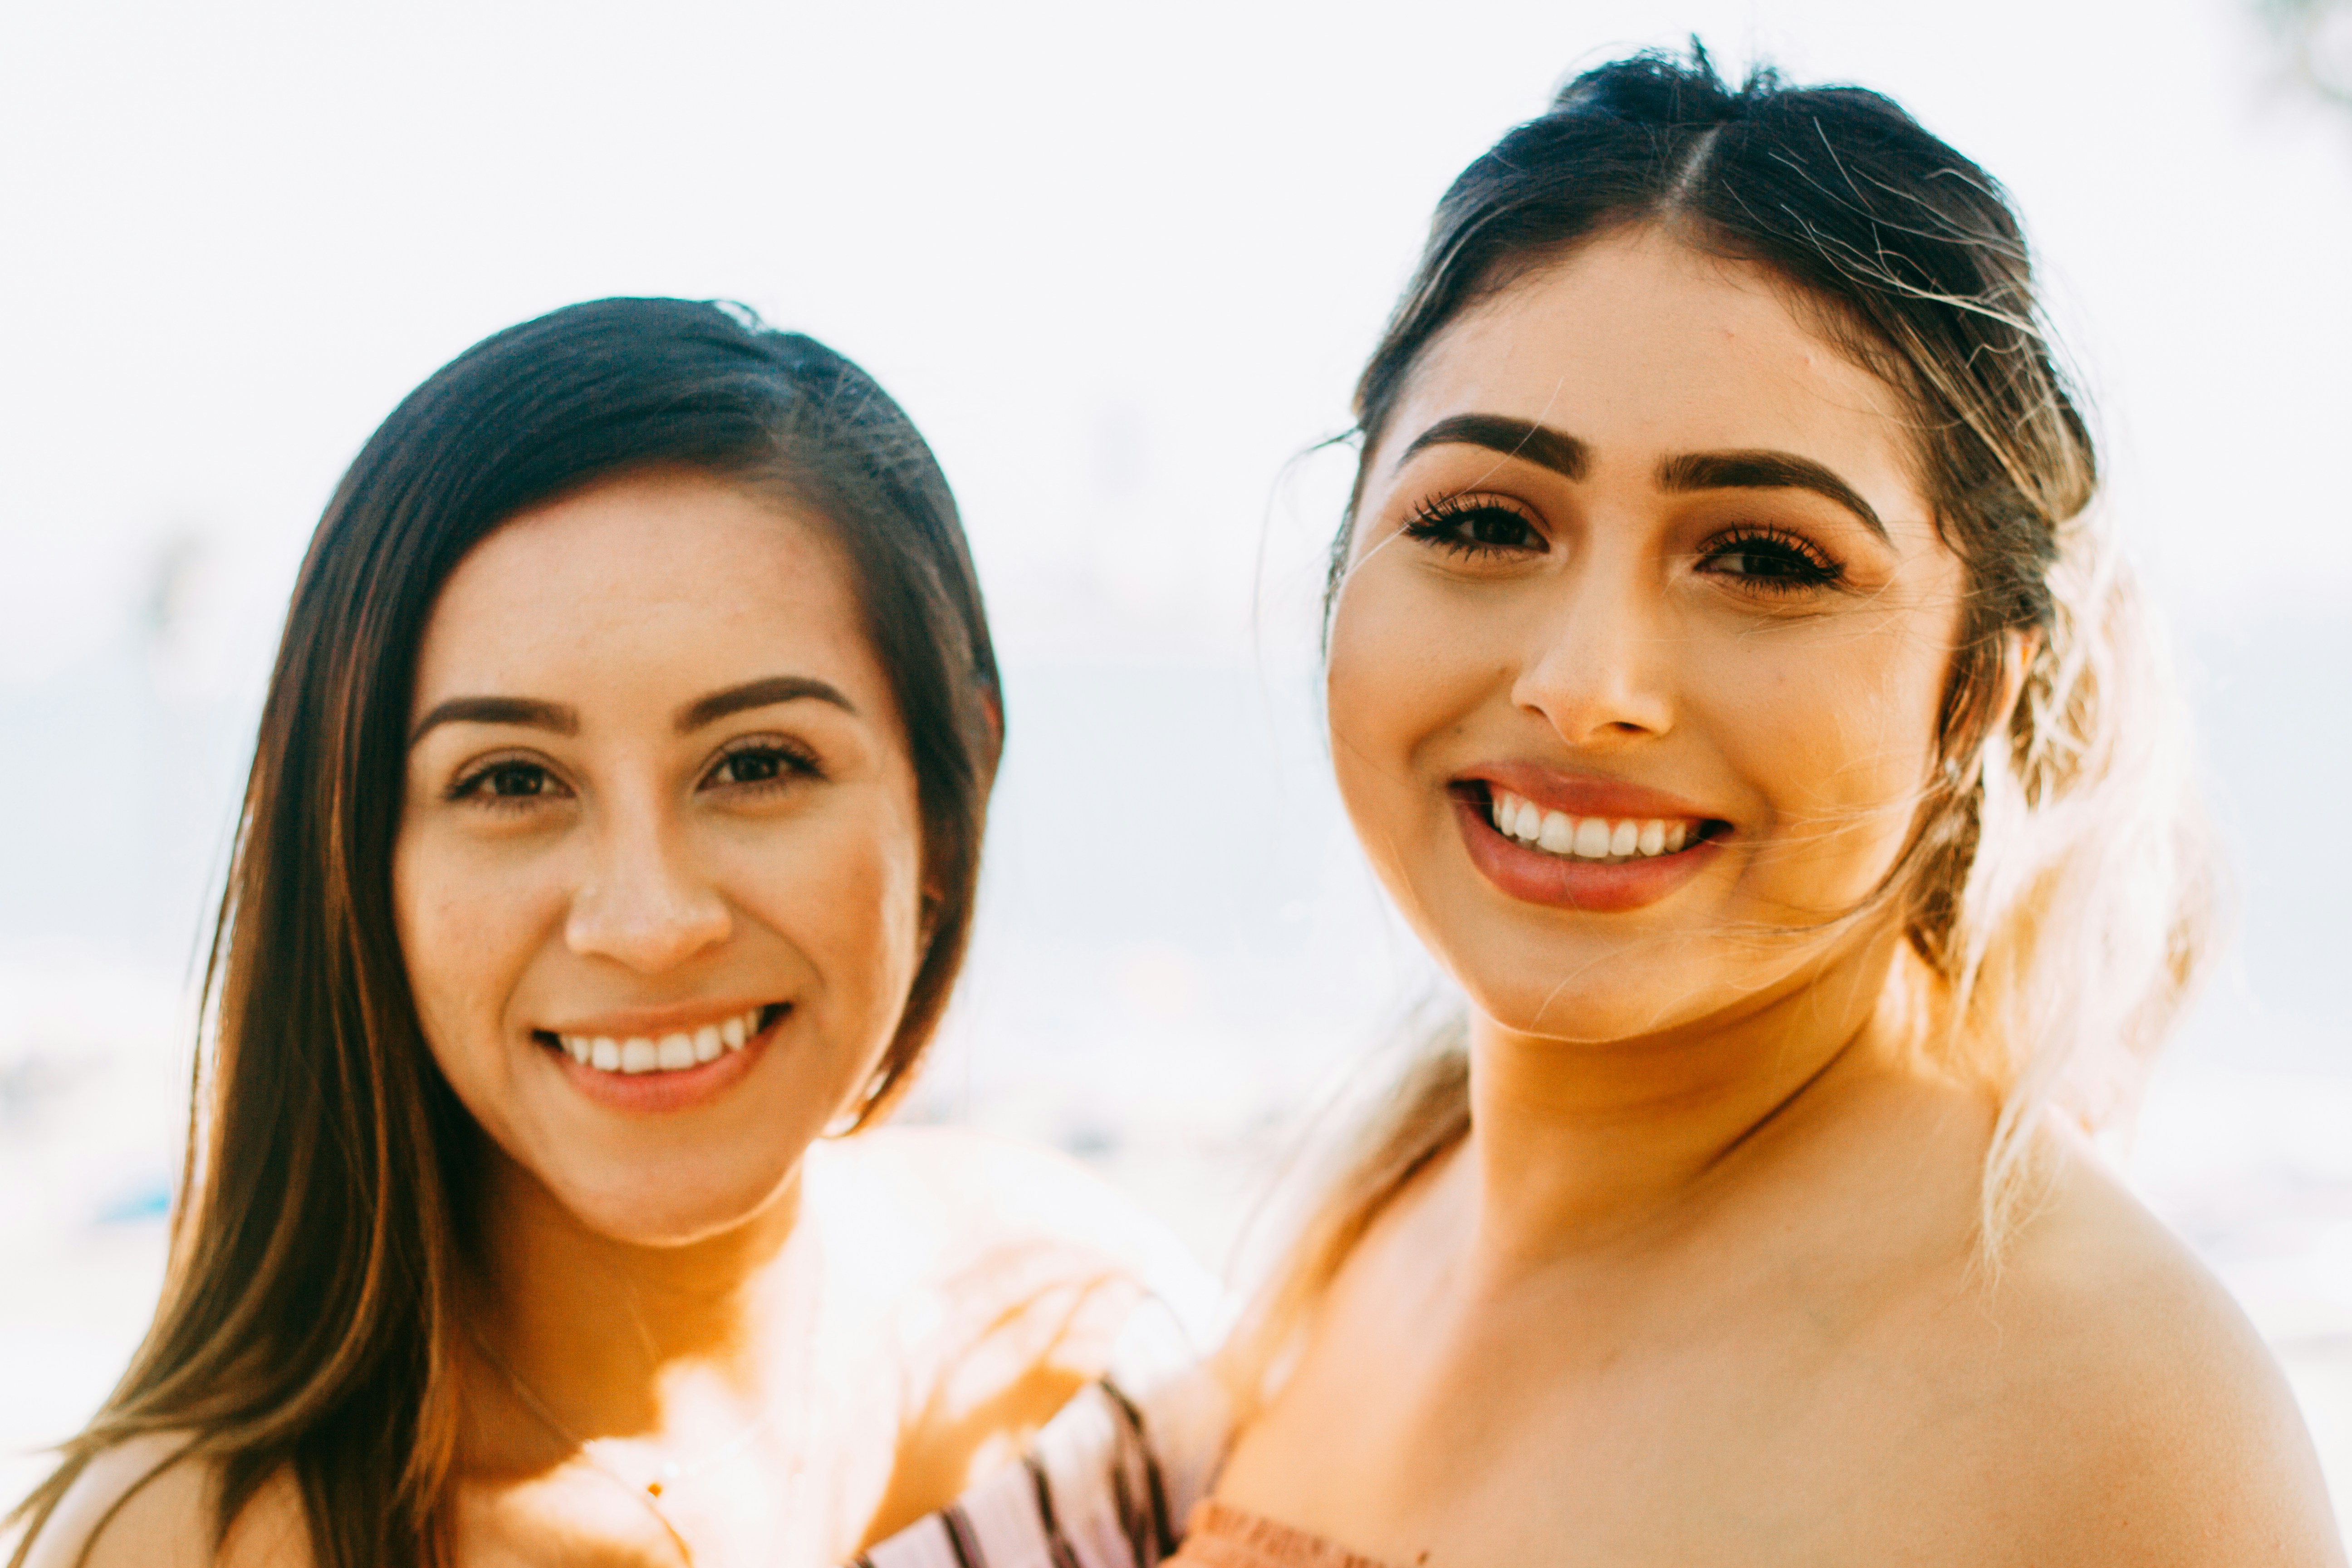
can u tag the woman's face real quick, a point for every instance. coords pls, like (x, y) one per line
(1634, 674)
(658, 870)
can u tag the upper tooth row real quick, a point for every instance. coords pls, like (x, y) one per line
(1585, 837)
(668, 1054)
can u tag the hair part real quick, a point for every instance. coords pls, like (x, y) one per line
(308, 1318)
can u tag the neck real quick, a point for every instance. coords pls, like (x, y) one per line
(612, 1337)
(1576, 1147)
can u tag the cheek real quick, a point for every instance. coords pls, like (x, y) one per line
(1390, 687)
(847, 895)
(1834, 727)
(466, 931)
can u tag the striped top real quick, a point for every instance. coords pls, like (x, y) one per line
(1107, 1483)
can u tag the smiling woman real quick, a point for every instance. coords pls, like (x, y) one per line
(1729, 684)
(608, 857)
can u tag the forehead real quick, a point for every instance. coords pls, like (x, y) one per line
(675, 561)
(1640, 346)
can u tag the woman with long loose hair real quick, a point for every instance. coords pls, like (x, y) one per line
(1734, 686)
(610, 849)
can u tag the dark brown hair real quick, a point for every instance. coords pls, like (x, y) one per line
(306, 1321)
(2056, 882)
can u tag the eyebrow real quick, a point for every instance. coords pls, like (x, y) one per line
(527, 711)
(1539, 444)
(1764, 470)
(533, 713)
(765, 692)
(1564, 453)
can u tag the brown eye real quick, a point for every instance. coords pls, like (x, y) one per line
(752, 767)
(1770, 560)
(513, 781)
(1470, 525)
(765, 763)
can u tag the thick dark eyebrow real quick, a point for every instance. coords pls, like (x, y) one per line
(1763, 471)
(762, 693)
(1540, 444)
(528, 711)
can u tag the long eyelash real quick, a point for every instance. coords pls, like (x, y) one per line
(1831, 571)
(1434, 515)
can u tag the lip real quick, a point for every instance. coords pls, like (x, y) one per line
(654, 1093)
(1583, 794)
(687, 1015)
(1534, 877)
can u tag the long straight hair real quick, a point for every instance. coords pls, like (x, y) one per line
(306, 1324)
(2058, 885)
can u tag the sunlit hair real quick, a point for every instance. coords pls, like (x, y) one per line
(2057, 885)
(307, 1317)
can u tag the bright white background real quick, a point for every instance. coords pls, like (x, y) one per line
(1120, 264)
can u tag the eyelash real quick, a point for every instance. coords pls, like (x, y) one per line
(1439, 521)
(474, 787)
(793, 763)
(1815, 568)
(1436, 521)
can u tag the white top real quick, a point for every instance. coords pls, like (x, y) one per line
(1109, 1481)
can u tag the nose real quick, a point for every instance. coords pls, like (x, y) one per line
(643, 904)
(1598, 667)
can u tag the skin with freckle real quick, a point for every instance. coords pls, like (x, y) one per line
(829, 1337)
(639, 869)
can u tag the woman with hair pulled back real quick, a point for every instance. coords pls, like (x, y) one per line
(1732, 686)
(608, 856)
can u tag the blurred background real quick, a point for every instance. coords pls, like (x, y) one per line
(1121, 263)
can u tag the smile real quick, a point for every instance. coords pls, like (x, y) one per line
(675, 1051)
(1602, 840)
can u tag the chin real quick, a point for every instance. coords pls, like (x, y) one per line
(676, 1208)
(1576, 1017)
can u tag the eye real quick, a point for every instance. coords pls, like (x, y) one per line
(509, 781)
(1768, 559)
(761, 765)
(1475, 526)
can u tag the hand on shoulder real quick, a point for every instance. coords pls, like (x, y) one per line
(1008, 1274)
(139, 1505)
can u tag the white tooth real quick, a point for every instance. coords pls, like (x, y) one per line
(1529, 828)
(576, 1047)
(1676, 837)
(639, 1055)
(707, 1045)
(1558, 832)
(604, 1054)
(1653, 836)
(1502, 811)
(1592, 838)
(675, 1051)
(1622, 840)
(734, 1032)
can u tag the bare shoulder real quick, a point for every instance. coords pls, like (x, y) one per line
(968, 1203)
(140, 1505)
(2128, 1369)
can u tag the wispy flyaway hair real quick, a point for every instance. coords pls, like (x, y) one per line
(2057, 882)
